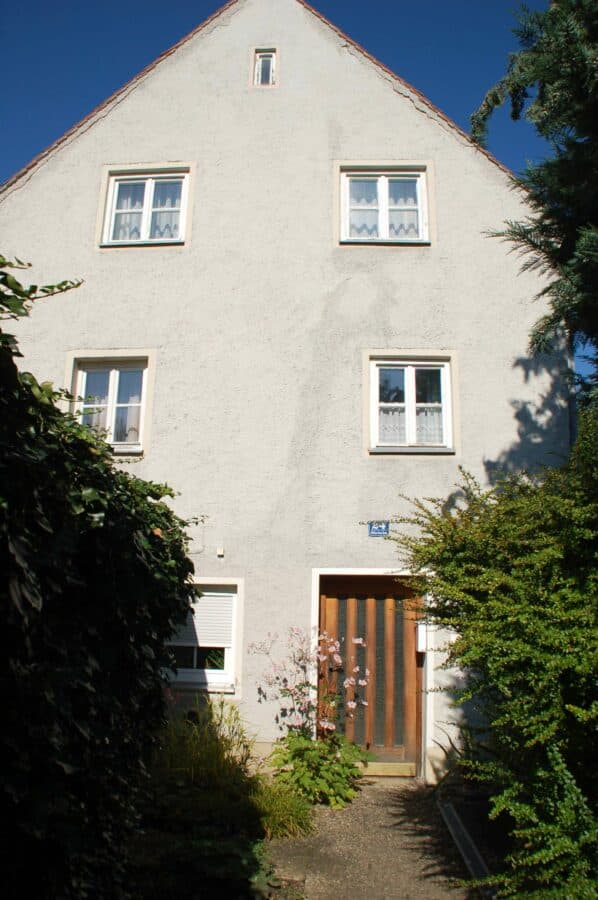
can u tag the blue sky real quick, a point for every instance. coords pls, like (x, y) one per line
(60, 59)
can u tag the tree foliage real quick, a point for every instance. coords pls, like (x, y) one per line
(553, 81)
(512, 572)
(95, 579)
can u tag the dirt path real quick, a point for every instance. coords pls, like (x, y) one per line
(389, 844)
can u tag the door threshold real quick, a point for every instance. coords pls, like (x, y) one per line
(390, 769)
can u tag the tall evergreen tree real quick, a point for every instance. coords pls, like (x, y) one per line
(552, 81)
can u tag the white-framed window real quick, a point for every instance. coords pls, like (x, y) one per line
(204, 649)
(264, 69)
(146, 208)
(410, 404)
(388, 206)
(111, 397)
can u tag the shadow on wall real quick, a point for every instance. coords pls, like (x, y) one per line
(460, 729)
(544, 429)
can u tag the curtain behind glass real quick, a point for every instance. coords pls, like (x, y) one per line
(363, 202)
(403, 224)
(428, 397)
(391, 425)
(96, 399)
(127, 425)
(166, 210)
(130, 197)
(127, 419)
(428, 423)
(403, 215)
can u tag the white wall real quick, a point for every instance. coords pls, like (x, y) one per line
(260, 320)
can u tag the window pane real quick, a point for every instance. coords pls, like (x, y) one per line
(130, 195)
(96, 386)
(391, 426)
(129, 386)
(392, 385)
(126, 425)
(427, 386)
(402, 192)
(265, 70)
(183, 657)
(167, 194)
(364, 192)
(95, 419)
(210, 658)
(429, 425)
(364, 223)
(127, 227)
(165, 226)
(403, 223)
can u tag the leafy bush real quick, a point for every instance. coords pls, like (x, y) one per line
(324, 771)
(513, 572)
(95, 580)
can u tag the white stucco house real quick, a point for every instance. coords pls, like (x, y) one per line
(292, 315)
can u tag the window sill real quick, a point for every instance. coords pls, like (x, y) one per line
(190, 685)
(382, 243)
(119, 450)
(111, 244)
(401, 451)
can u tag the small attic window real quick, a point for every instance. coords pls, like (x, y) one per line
(264, 70)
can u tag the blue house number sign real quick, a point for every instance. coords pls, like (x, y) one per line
(380, 528)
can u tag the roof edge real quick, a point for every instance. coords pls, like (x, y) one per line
(88, 119)
(409, 87)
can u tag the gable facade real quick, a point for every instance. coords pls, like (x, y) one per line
(292, 314)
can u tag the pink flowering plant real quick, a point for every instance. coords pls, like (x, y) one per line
(289, 681)
(324, 770)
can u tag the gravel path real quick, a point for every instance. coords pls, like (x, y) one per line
(389, 844)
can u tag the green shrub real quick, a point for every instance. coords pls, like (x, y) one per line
(95, 580)
(325, 771)
(513, 571)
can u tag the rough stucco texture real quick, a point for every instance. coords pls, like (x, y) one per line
(259, 322)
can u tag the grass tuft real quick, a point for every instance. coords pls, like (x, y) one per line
(208, 812)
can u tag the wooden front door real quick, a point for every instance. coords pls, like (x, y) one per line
(382, 611)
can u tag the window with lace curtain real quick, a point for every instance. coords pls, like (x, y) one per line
(410, 405)
(387, 206)
(146, 208)
(112, 397)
